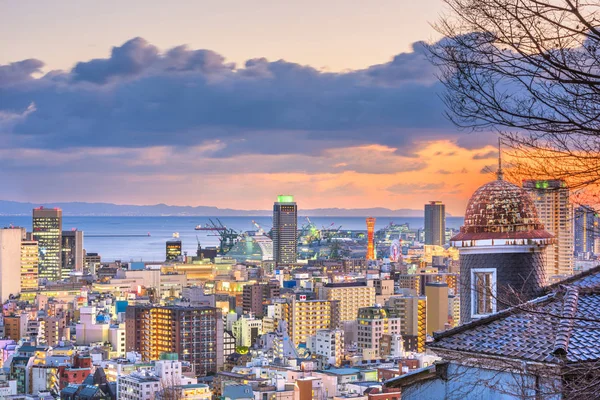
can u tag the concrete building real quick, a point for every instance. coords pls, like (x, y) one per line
(256, 296)
(194, 333)
(47, 231)
(351, 297)
(373, 322)
(285, 230)
(329, 344)
(72, 252)
(585, 227)
(555, 212)
(412, 310)
(435, 223)
(437, 306)
(246, 330)
(10, 262)
(305, 317)
(29, 265)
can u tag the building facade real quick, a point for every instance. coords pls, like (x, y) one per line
(47, 231)
(412, 309)
(194, 333)
(374, 322)
(437, 312)
(10, 262)
(435, 223)
(72, 253)
(285, 230)
(555, 212)
(29, 265)
(305, 317)
(585, 227)
(351, 297)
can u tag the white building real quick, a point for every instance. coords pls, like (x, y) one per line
(329, 343)
(10, 262)
(246, 330)
(145, 385)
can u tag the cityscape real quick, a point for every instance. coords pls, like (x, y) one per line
(318, 232)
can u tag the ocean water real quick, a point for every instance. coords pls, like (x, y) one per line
(151, 233)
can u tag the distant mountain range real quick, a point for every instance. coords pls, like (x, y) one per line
(109, 209)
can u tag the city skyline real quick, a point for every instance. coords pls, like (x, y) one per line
(135, 113)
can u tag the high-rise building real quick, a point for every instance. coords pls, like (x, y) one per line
(412, 310)
(305, 317)
(173, 250)
(47, 231)
(373, 322)
(585, 226)
(72, 252)
(551, 199)
(194, 333)
(435, 223)
(437, 306)
(370, 238)
(29, 265)
(10, 262)
(501, 247)
(255, 296)
(351, 297)
(285, 230)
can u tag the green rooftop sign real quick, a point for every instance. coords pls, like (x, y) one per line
(285, 199)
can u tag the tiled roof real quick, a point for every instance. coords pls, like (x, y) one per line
(562, 325)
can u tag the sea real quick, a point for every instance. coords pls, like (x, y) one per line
(134, 238)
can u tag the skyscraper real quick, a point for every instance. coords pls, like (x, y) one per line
(10, 262)
(29, 265)
(435, 223)
(370, 238)
(285, 230)
(72, 252)
(47, 231)
(551, 199)
(586, 230)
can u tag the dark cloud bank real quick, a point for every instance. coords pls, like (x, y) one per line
(141, 97)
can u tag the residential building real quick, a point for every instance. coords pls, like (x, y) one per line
(256, 296)
(585, 226)
(329, 344)
(435, 223)
(412, 310)
(351, 297)
(246, 330)
(47, 231)
(437, 306)
(285, 230)
(555, 212)
(373, 322)
(194, 333)
(305, 317)
(72, 252)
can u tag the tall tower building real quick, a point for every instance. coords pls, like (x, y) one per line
(47, 231)
(10, 262)
(435, 223)
(585, 230)
(551, 199)
(285, 230)
(29, 265)
(501, 247)
(72, 252)
(370, 238)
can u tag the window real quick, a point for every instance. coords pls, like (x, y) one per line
(483, 292)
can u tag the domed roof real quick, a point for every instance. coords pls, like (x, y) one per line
(501, 210)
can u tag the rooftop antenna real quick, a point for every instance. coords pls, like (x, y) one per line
(500, 173)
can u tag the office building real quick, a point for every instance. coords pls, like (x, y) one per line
(10, 262)
(435, 223)
(351, 296)
(305, 317)
(551, 200)
(437, 306)
(246, 330)
(501, 247)
(285, 230)
(585, 226)
(373, 322)
(370, 238)
(412, 310)
(92, 261)
(194, 333)
(72, 252)
(29, 265)
(47, 231)
(173, 250)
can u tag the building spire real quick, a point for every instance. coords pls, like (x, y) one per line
(500, 173)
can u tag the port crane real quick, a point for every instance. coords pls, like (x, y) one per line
(227, 237)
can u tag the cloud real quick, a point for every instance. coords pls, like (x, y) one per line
(140, 96)
(18, 72)
(485, 156)
(404, 188)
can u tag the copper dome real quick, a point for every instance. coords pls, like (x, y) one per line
(501, 210)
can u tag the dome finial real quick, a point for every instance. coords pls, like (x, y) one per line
(500, 173)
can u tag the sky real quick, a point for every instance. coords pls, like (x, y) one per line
(229, 104)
